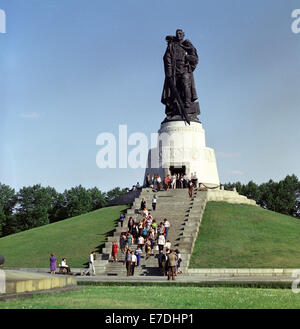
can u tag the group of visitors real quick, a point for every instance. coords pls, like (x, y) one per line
(144, 209)
(153, 181)
(63, 267)
(130, 262)
(179, 181)
(144, 233)
(169, 263)
(148, 235)
(175, 181)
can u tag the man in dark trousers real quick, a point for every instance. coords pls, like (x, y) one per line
(161, 259)
(143, 204)
(148, 180)
(133, 263)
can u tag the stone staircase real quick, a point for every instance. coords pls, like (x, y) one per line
(184, 214)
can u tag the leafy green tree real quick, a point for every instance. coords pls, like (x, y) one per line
(282, 197)
(228, 186)
(269, 195)
(59, 211)
(239, 187)
(112, 194)
(11, 225)
(287, 196)
(78, 201)
(98, 198)
(33, 205)
(58, 205)
(2, 222)
(8, 201)
(251, 191)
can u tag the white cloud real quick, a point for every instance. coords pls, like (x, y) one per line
(236, 172)
(227, 155)
(32, 115)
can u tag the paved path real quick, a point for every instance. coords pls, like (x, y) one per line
(154, 279)
(185, 279)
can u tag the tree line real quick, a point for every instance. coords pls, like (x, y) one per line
(282, 196)
(35, 206)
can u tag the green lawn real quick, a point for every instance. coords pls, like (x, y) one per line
(73, 238)
(144, 297)
(242, 236)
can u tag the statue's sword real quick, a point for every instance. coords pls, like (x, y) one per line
(180, 104)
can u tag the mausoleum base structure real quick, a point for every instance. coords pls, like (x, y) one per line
(181, 148)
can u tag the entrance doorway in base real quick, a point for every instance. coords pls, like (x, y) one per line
(177, 170)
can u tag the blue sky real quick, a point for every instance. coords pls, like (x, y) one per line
(72, 69)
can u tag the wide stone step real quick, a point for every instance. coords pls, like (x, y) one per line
(148, 262)
(184, 215)
(154, 253)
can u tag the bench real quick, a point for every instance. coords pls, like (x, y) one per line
(64, 270)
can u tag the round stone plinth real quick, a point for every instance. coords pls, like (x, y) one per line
(181, 148)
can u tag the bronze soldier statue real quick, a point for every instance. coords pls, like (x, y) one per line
(179, 93)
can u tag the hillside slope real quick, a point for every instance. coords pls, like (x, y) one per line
(242, 236)
(73, 238)
(230, 236)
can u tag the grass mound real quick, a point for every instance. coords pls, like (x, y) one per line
(242, 236)
(73, 238)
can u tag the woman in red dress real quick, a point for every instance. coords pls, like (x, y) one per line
(191, 190)
(115, 251)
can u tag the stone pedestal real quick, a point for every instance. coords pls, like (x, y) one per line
(182, 148)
